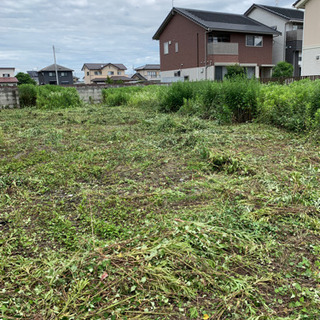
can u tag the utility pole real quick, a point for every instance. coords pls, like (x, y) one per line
(55, 65)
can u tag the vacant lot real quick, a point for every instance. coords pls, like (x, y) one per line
(122, 213)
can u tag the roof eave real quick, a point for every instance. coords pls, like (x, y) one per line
(300, 4)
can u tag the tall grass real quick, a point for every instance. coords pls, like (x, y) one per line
(55, 97)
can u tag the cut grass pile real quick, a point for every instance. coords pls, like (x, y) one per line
(124, 213)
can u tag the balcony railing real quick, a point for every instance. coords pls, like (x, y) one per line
(294, 35)
(223, 48)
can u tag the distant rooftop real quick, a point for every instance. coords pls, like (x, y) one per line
(286, 13)
(149, 67)
(52, 68)
(99, 66)
(8, 79)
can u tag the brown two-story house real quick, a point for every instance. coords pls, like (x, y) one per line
(199, 45)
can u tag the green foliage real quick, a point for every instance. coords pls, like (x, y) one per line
(282, 69)
(127, 213)
(293, 107)
(235, 71)
(174, 97)
(56, 97)
(27, 95)
(24, 78)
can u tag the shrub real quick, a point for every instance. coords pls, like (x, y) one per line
(27, 95)
(173, 98)
(55, 97)
(292, 106)
(235, 71)
(24, 78)
(240, 97)
(282, 69)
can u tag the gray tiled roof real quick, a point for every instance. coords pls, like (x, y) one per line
(286, 13)
(99, 66)
(52, 68)
(32, 73)
(149, 67)
(218, 21)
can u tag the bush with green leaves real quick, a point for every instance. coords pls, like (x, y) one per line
(27, 95)
(56, 97)
(235, 71)
(283, 69)
(294, 107)
(173, 98)
(24, 78)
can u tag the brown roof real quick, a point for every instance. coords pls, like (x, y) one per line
(8, 80)
(99, 66)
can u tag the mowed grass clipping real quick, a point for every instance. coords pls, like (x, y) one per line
(125, 213)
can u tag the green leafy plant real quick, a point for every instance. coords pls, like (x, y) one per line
(282, 69)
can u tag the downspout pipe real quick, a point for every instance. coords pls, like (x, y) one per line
(206, 53)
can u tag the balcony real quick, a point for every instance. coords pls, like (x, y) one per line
(294, 35)
(223, 48)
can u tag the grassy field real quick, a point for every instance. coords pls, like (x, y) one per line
(125, 213)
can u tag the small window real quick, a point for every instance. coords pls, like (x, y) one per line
(152, 74)
(110, 73)
(64, 74)
(88, 73)
(98, 73)
(119, 73)
(254, 41)
(166, 48)
(218, 37)
(51, 74)
(177, 74)
(6, 75)
(176, 47)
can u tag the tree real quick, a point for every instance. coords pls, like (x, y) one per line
(235, 71)
(24, 78)
(283, 69)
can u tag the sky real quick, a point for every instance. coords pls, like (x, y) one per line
(93, 31)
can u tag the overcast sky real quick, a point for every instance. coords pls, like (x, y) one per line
(101, 31)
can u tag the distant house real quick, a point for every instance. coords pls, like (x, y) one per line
(138, 77)
(197, 45)
(149, 71)
(34, 76)
(7, 72)
(99, 72)
(311, 37)
(47, 75)
(7, 77)
(288, 45)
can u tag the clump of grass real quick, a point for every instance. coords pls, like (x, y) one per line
(55, 97)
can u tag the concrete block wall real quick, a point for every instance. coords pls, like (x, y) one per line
(9, 97)
(91, 94)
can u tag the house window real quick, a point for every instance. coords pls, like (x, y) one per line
(88, 73)
(64, 74)
(6, 75)
(177, 74)
(51, 74)
(166, 48)
(176, 46)
(152, 74)
(110, 73)
(251, 72)
(253, 41)
(119, 73)
(97, 73)
(218, 37)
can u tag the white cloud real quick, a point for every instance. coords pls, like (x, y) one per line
(91, 31)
